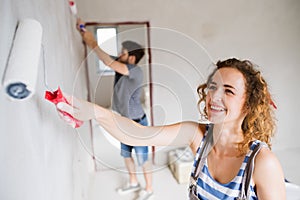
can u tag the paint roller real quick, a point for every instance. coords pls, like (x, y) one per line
(73, 9)
(22, 65)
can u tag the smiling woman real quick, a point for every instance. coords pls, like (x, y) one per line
(247, 84)
(237, 104)
(224, 95)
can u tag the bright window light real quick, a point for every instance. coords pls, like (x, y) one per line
(107, 40)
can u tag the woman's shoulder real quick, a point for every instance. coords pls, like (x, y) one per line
(266, 160)
(266, 165)
(268, 174)
(264, 156)
(197, 130)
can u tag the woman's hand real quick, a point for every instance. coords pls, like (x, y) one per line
(79, 109)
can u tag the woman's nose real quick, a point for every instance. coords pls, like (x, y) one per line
(217, 95)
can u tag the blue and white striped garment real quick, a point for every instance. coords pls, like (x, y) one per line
(209, 189)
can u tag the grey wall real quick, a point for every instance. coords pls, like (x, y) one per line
(41, 157)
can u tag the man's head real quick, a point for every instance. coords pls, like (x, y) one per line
(132, 52)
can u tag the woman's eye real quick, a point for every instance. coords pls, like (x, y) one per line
(228, 91)
(212, 87)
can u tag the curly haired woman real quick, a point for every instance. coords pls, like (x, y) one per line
(239, 109)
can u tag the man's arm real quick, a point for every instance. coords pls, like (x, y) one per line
(89, 39)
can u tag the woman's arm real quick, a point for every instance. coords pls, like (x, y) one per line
(268, 176)
(130, 132)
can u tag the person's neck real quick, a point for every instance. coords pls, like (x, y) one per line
(227, 135)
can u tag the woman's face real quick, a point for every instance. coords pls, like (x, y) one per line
(226, 96)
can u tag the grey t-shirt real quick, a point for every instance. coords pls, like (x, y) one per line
(127, 93)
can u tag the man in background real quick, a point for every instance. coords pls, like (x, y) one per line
(128, 85)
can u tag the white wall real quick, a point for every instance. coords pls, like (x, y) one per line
(266, 32)
(41, 157)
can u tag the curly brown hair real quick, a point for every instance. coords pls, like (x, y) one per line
(259, 122)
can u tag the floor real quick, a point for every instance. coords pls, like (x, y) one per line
(105, 183)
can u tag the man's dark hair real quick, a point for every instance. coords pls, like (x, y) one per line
(134, 49)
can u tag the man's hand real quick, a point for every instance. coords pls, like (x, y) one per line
(80, 25)
(87, 36)
(89, 39)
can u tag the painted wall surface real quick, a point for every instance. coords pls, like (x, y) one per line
(41, 157)
(187, 36)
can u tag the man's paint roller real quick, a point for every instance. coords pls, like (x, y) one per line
(73, 8)
(22, 66)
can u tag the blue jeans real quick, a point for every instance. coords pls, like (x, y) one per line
(140, 151)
